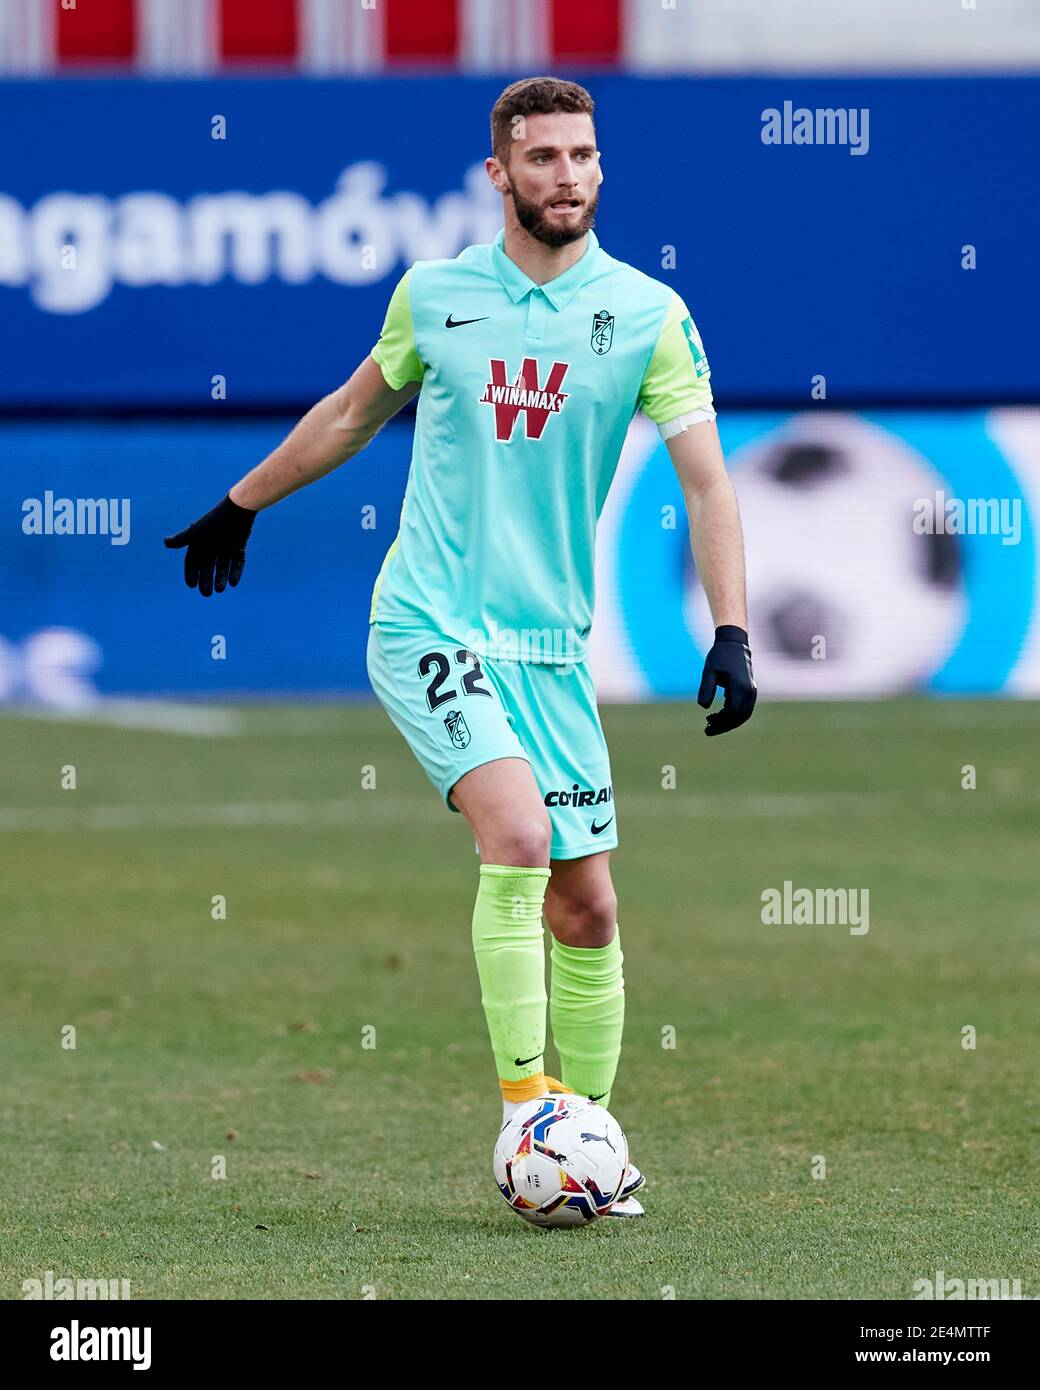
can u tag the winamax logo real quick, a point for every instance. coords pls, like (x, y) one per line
(523, 394)
(70, 250)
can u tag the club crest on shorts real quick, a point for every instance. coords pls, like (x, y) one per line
(602, 331)
(458, 729)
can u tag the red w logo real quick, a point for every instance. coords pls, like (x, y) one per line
(524, 394)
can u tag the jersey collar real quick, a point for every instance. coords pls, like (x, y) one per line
(560, 291)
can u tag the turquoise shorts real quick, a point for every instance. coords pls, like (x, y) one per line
(457, 711)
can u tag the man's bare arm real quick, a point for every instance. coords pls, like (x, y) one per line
(331, 432)
(718, 550)
(716, 538)
(334, 430)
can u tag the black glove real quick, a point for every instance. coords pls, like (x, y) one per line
(728, 664)
(216, 553)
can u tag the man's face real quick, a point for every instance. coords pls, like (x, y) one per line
(553, 176)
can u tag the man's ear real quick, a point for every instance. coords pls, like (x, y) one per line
(497, 174)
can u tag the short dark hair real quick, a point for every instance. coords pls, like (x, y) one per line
(533, 96)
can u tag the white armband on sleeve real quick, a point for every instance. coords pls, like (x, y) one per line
(683, 422)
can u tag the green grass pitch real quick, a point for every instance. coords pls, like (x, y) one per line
(355, 1171)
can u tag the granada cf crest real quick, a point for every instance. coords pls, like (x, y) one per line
(602, 331)
(457, 728)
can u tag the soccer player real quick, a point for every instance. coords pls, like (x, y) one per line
(529, 356)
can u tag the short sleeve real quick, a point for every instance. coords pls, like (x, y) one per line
(678, 379)
(395, 351)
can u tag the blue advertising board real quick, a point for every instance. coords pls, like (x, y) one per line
(889, 552)
(180, 242)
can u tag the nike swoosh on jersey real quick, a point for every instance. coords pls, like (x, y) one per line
(599, 829)
(449, 322)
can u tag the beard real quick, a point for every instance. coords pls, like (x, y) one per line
(534, 218)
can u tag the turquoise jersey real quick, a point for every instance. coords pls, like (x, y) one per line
(527, 395)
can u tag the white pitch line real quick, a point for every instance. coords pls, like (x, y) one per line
(229, 814)
(385, 808)
(160, 716)
(779, 719)
(792, 717)
(205, 720)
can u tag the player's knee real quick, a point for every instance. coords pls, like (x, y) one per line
(599, 915)
(588, 919)
(525, 844)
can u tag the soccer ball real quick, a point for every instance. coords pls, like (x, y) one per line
(561, 1161)
(827, 503)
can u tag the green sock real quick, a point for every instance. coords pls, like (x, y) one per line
(587, 1013)
(508, 942)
